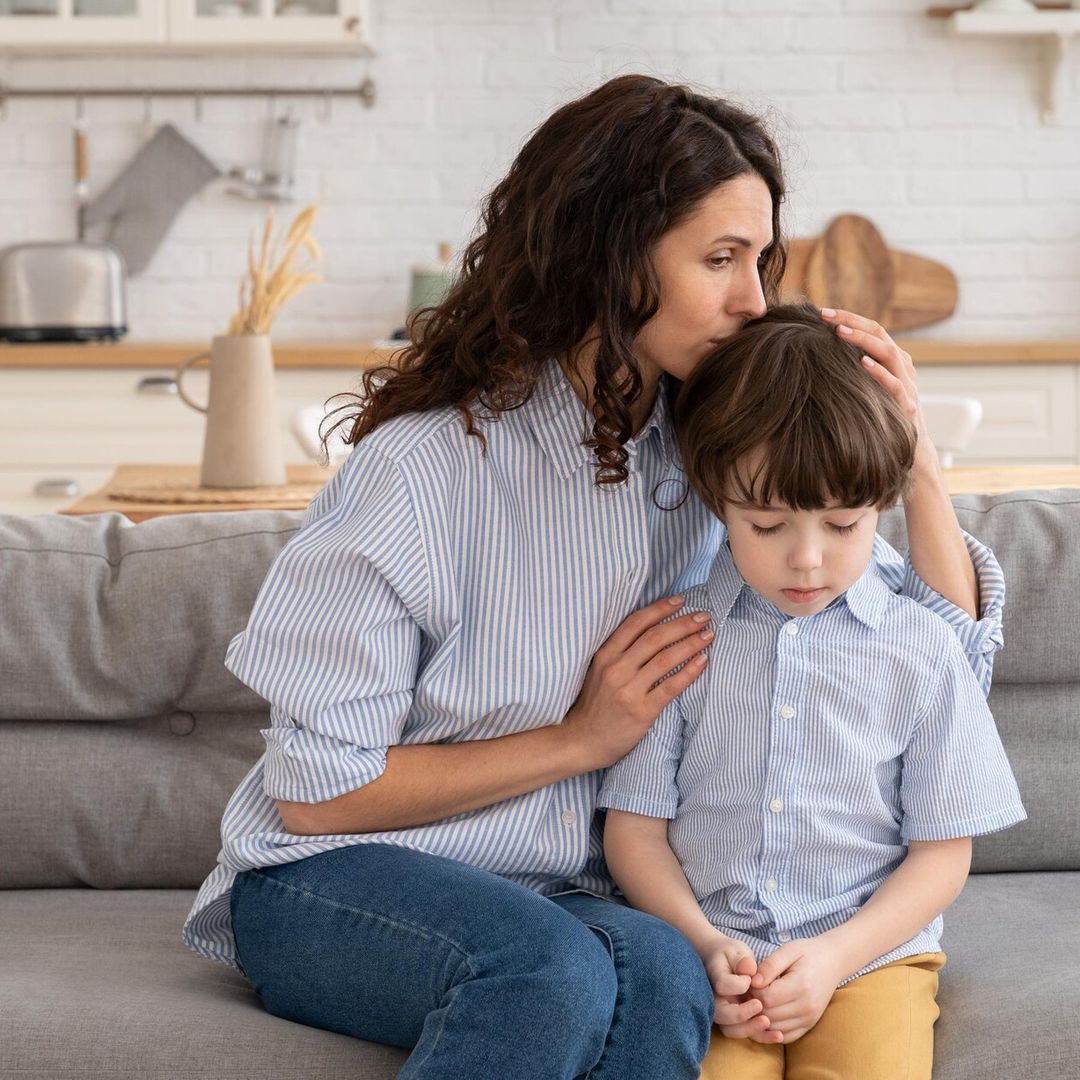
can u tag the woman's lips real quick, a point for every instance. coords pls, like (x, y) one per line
(802, 596)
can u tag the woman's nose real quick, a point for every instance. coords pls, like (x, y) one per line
(750, 299)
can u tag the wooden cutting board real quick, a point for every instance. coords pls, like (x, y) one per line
(852, 268)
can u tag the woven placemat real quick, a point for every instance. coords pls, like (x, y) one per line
(177, 491)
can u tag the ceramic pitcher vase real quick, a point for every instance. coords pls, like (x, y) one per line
(242, 446)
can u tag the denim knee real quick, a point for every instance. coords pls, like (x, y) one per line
(570, 979)
(666, 971)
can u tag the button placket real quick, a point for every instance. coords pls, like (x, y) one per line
(784, 737)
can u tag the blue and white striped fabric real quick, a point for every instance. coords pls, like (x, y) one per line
(797, 767)
(438, 594)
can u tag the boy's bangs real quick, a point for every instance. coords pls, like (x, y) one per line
(810, 467)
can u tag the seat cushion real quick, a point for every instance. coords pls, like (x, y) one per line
(96, 983)
(1010, 990)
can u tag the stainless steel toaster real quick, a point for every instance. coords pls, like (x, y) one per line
(63, 291)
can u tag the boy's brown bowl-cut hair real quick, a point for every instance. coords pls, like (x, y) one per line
(788, 386)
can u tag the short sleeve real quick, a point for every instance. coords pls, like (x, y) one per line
(333, 640)
(980, 638)
(955, 779)
(643, 782)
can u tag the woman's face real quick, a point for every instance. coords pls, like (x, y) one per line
(710, 285)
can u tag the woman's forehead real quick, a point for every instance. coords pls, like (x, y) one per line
(738, 212)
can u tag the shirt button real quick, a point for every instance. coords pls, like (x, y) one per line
(568, 817)
(787, 712)
(776, 806)
(792, 628)
(783, 936)
(771, 885)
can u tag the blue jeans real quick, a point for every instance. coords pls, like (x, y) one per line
(484, 979)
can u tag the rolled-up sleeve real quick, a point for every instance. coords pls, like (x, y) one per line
(980, 638)
(333, 641)
(955, 776)
(643, 782)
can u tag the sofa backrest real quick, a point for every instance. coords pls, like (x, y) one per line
(122, 734)
(1035, 695)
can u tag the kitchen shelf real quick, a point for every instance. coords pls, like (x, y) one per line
(1052, 26)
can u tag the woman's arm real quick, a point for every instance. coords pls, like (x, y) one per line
(426, 783)
(935, 544)
(620, 698)
(936, 547)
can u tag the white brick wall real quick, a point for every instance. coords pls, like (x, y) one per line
(878, 109)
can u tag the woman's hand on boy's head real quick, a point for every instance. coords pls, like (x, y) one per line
(888, 364)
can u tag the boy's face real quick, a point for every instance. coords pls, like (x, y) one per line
(800, 560)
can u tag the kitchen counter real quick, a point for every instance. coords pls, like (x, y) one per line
(166, 354)
(365, 354)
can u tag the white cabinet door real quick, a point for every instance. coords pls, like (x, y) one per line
(284, 23)
(60, 423)
(67, 23)
(1029, 411)
(46, 490)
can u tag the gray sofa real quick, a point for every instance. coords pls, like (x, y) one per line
(122, 736)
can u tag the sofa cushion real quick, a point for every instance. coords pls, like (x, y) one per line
(97, 984)
(120, 804)
(1010, 990)
(1034, 536)
(106, 620)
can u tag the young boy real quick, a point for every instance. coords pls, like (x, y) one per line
(803, 813)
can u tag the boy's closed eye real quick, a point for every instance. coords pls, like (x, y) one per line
(840, 528)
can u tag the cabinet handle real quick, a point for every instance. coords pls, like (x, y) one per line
(57, 489)
(156, 384)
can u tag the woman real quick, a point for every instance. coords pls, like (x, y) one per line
(450, 643)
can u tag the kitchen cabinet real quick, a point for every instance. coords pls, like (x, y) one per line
(164, 25)
(1030, 411)
(59, 425)
(70, 411)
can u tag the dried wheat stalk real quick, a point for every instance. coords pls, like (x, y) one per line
(276, 276)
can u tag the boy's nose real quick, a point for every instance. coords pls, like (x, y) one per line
(805, 557)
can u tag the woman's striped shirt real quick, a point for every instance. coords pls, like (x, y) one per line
(438, 593)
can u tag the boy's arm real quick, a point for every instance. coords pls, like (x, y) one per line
(796, 983)
(929, 879)
(645, 868)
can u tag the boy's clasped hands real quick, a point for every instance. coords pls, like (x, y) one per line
(776, 1001)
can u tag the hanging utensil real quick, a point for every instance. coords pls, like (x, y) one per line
(82, 186)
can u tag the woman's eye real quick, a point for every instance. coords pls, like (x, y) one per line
(764, 532)
(718, 262)
(842, 529)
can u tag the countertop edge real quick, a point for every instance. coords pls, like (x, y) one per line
(362, 355)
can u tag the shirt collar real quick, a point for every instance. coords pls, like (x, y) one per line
(561, 423)
(865, 598)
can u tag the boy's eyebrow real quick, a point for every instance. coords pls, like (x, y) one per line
(755, 506)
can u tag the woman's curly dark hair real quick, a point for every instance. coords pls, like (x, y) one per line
(565, 250)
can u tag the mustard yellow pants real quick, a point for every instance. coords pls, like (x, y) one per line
(879, 1026)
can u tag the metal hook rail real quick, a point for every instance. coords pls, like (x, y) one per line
(364, 92)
